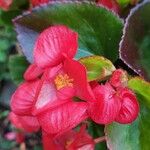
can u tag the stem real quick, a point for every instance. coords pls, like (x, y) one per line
(100, 139)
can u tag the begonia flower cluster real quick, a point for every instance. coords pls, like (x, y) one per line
(47, 99)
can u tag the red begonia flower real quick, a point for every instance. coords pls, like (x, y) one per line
(62, 83)
(32, 72)
(24, 123)
(110, 4)
(119, 78)
(23, 99)
(38, 2)
(129, 108)
(71, 140)
(5, 4)
(52, 44)
(106, 106)
(63, 118)
(55, 90)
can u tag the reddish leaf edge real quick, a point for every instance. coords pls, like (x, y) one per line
(133, 10)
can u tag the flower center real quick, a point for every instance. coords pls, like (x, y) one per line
(62, 81)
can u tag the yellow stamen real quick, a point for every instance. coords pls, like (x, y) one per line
(62, 81)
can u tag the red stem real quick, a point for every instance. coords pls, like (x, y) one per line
(100, 139)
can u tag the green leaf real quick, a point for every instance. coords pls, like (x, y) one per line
(135, 45)
(17, 67)
(141, 87)
(133, 136)
(20, 5)
(123, 3)
(7, 16)
(98, 68)
(122, 137)
(6, 145)
(99, 29)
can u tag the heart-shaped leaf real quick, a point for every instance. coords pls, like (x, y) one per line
(135, 45)
(17, 66)
(99, 29)
(98, 68)
(133, 136)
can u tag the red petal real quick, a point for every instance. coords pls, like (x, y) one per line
(15, 121)
(38, 2)
(119, 78)
(110, 4)
(23, 99)
(32, 72)
(77, 72)
(5, 4)
(130, 107)
(51, 73)
(49, 143)
(63, 118)
(52, 44)
(20, 137)
(27, 123)
(49, 97)
(107, 105)
(82, 141)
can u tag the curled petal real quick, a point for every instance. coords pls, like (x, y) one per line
(52, 44)
(106, 106)
(32, 72)
(119, 78)
(129, 108)
(25, 123)
(23, 99)
(63, 118)
(77, 72)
